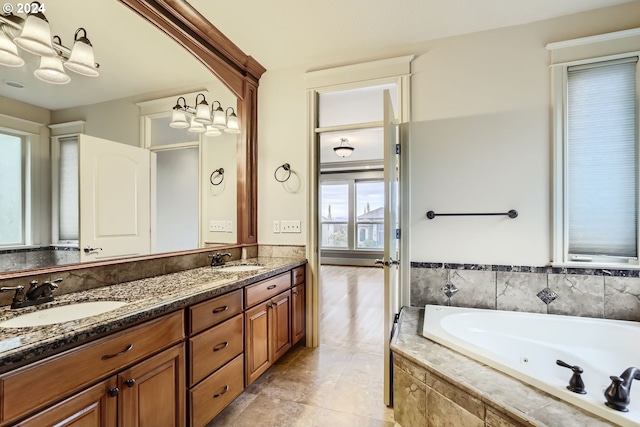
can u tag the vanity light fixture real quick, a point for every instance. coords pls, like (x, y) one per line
(34, 36)
(344, 149)
(202, 120)
(51, 69)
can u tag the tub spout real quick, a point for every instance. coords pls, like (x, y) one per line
(618, 393)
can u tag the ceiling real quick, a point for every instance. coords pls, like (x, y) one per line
(135, 58)
(321, 33)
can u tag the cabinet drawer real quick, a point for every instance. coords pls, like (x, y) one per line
(60, 375)
(215, 347)
(214, 311)
(267, 289)
(210, 397)
(297, 275)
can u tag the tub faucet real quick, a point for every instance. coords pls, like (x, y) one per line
(618, 393)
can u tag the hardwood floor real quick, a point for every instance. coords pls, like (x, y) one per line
(337, 384)
(351, 308)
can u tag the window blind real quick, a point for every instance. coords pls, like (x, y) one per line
(602, 169)
(69, 218)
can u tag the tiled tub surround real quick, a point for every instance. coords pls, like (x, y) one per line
(146, 298)
(434, 385)
(610, 294)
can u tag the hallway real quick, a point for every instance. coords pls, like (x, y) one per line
(339, 383)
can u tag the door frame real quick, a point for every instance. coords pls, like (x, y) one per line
(394, 70)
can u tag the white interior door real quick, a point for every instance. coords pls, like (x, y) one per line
(114, 199)
(391, 238)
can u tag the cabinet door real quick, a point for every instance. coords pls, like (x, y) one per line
(152, 393)
(280, 325)
(88, 408)
(256, 348)
(298, 313)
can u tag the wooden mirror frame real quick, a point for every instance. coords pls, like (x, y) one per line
(241, 74)
(238, 71)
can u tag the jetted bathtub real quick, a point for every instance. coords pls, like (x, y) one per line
(527, 345)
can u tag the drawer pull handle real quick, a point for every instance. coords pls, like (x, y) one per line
(295, 293)
(221, 346)
(130, 382)
(109, 356)
(226, 389)
(220, 309)
(273, 305)
(271, 287)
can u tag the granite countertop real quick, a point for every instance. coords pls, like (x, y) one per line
(145, 298)
(528, 404)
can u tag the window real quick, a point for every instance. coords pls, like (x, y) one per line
(12, 188)
(370, 214)
(352, 214)
(68, 191)
(598, 164)
(335, 215)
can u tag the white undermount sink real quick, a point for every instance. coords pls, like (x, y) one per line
(239, 268)
(62, 313)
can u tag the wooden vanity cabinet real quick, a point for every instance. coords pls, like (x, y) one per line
(267, 325)
(147, 375)
(149, 390)
(88, 408)
(216, 341)
(151, 393)
(298, 305)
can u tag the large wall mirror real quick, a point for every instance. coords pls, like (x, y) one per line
(202, 188)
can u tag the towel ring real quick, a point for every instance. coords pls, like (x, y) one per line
(287, 168)
(220, 176)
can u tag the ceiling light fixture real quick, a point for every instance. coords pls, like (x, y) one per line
(34, 36)
(344, 149)
(212, 122)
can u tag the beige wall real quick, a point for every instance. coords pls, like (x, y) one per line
(480, 141)
(282, 138)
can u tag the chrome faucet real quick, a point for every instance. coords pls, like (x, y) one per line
(37, 294)
(618, 393)
(217, 259)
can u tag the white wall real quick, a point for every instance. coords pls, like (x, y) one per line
(282, 138)
(480, 141)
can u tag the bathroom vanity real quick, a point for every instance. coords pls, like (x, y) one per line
(182, 348)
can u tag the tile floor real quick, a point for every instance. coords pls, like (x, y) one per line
(337, 384)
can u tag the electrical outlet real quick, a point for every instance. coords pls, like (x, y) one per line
(276, 226)
(229, 228)
(217, 226)
(290, 226)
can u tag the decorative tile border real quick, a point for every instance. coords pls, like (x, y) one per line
(612, 294)
(530, 269)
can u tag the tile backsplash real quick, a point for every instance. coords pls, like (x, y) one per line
(611, 294)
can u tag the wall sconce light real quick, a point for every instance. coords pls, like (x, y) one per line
(344, 149)
(34, 36)
(287, 169)
(202, 120)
